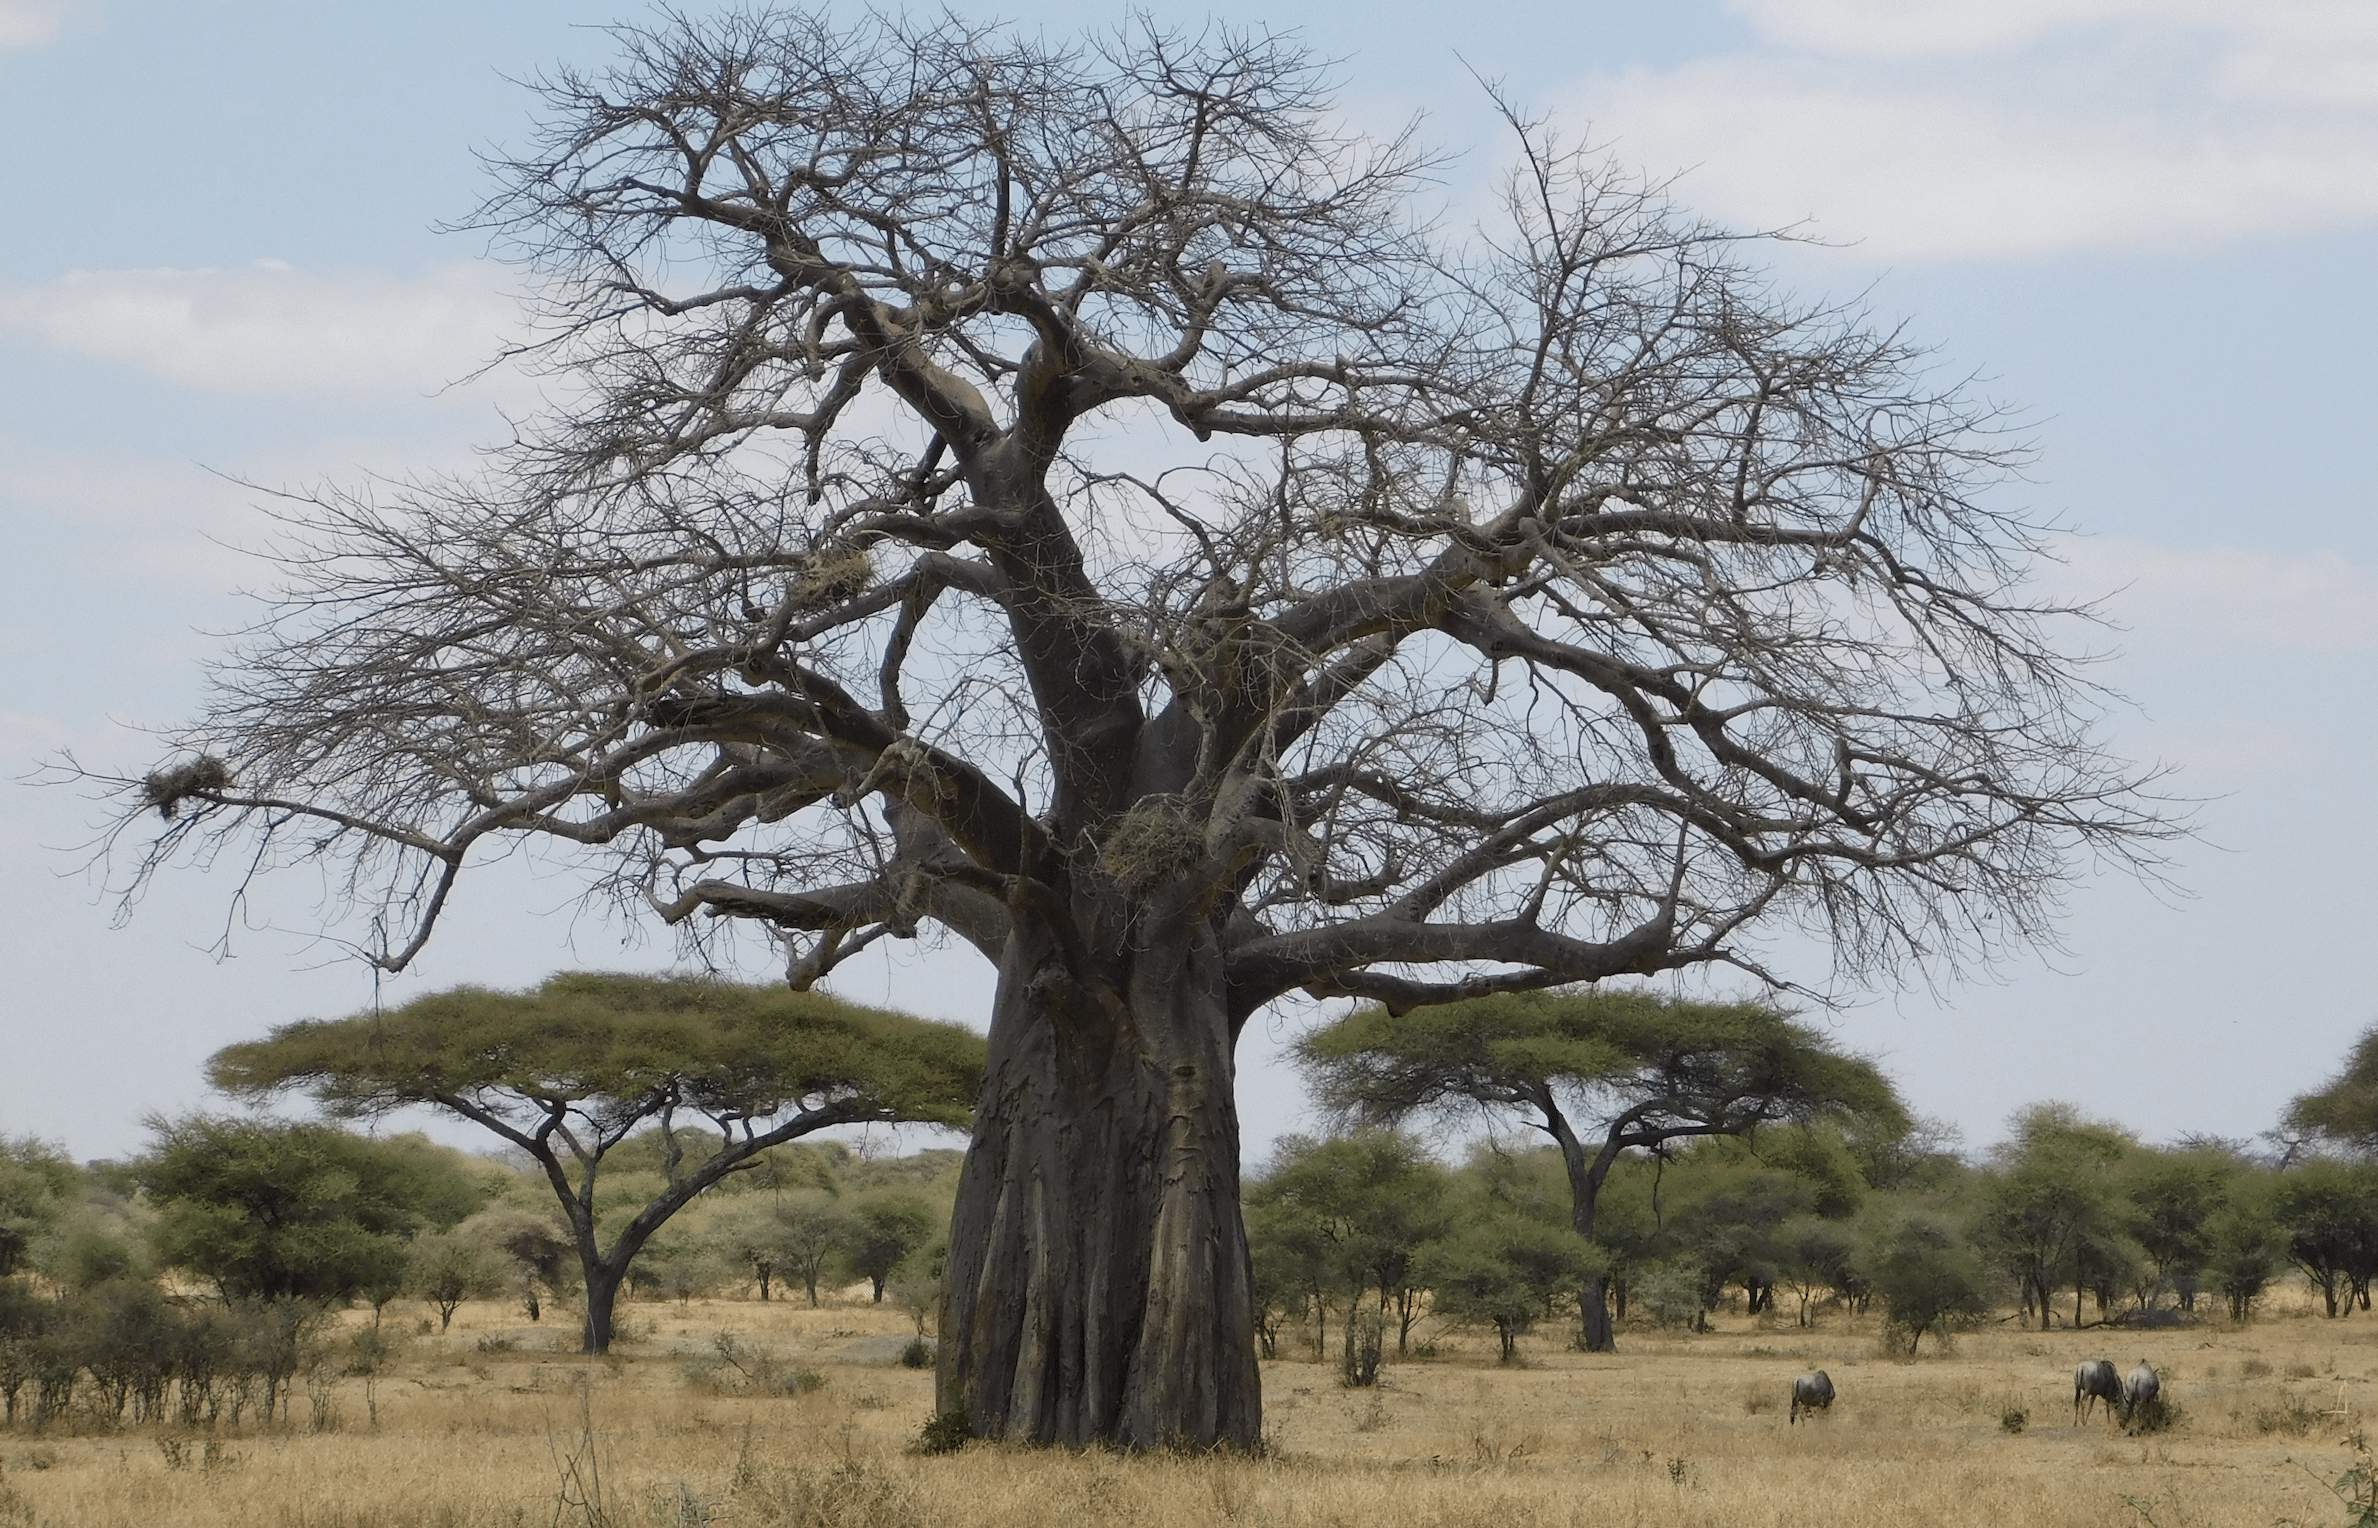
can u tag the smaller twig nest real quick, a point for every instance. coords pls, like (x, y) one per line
(167, 789)
(831, 576)
(1153, 844)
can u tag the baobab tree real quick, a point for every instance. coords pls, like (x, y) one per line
(1066, 497)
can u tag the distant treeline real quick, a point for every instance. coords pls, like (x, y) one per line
(2070, 1222)
(189, 1284)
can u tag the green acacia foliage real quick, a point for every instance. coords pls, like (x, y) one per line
(1725, 1219)
(2173, 1198)
(1287, 1273)
(2052, 1214)
(798, 1213)
(1824, 1165)
(2313, 1211)
(449, 1267)
(608, 1053)
(279, 1211)
(698, 1078)
(38, 1186)
(1629, 1230)
(885, 1229)
(2346, 1110)
(1602, 1073)
(1727, 1200)
(1927, 1277)
(1816, 1257)
(91, 1246)
(2244, 1247)
(807, 1232)
(1501, 1269)
(1345, 1217)
(2328, 1214)
(1682, 1068)
(1922, 1157)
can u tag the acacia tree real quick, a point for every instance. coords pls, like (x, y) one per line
(1364, 1204)
(448, 1269)
(2173, 1197)
(39, 1185)
(884, 1231)
(1600, 1072)
(808, 1233)
(297, 1212)
(1500, 1270)
(2051, 1209)
(2244, 1247)
(1068, 498)
(2328, 1213)
(568, 1072)
(2345, 1111)
(1926, 1277)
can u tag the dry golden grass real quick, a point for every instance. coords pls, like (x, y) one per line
(1673, 1430)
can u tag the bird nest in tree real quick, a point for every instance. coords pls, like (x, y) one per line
(167, 789)
(1157, 841)
(833, 575)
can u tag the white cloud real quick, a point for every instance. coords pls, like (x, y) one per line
(270, 328)
(1906, 29)
(131, 526)
(29, 23)
(2003, 128)
(2194, 598)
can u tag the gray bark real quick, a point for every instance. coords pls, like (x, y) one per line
(1099, 1288)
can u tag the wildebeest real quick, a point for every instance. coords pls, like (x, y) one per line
(2139, 1388)
(1811, 1392)
(2092, 1382)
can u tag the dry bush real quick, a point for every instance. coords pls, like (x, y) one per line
(2291, 1416)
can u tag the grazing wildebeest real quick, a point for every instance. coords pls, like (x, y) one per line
(1811, 1392)
(2092, 1382)
(2139, 1388)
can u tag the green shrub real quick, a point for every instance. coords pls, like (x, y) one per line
(945, 1432)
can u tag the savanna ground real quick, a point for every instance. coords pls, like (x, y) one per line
(491, 1424)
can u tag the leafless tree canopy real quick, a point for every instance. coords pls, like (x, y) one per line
(983, 470)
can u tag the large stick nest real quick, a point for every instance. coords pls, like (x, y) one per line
(1153, 844)
(167, 789)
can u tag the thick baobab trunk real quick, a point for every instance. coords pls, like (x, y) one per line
(1098, 1287)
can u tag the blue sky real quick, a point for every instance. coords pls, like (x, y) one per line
(2147, 224)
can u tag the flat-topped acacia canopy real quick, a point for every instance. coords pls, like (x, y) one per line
(568, 1071)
